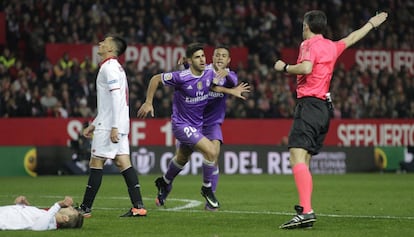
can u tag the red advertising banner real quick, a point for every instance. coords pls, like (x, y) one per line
(2, 28)
(59, 132)
(374, 60)
(166, 56)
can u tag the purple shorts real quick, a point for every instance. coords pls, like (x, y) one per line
(186, 134)
(213, 132)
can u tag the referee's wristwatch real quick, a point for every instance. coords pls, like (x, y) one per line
(285, 67)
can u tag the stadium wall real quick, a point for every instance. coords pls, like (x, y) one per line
(30, 146)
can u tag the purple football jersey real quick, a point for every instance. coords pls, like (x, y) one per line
(190, 95)
(215, 110)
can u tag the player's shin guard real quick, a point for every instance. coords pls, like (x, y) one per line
(208, 170)
(92, 188)
(134, 191)
(173, 170)
(214, 179)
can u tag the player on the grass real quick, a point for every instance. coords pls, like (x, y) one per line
(192, 87)
(110, 128)
(22, 216)
(215, 110)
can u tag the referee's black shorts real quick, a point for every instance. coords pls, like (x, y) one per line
(310, 125)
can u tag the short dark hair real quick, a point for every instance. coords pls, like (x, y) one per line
(222, 46)
(192, 48)
(120, 45)
(316, 20)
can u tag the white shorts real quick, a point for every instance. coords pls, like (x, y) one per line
(103, 147)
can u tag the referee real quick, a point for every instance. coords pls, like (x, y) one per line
(314, 69)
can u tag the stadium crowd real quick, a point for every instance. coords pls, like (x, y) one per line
(30, 86)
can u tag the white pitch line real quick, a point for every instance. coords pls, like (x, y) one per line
(189, 203)
(181, 209)
(317, 214)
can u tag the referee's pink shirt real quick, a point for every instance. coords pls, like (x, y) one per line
(322, 53)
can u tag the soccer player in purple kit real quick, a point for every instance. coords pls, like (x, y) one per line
(215, 110)
(192, 87)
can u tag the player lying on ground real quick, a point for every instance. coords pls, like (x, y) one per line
(22, 216)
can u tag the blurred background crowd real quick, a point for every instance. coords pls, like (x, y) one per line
(30, 86)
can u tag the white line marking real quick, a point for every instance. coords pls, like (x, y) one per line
(189, 203)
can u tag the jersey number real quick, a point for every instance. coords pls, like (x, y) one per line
(189, 131)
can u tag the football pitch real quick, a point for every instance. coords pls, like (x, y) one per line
(251, 205)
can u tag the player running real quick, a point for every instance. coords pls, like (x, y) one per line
(192, 87)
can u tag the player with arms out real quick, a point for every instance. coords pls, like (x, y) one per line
(314, 69)
(192, 87)
(215, 110)
(110, 128)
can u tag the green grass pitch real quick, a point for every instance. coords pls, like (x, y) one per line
(251, 205)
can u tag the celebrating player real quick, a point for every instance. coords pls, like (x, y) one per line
(215, 110)
(192, 87)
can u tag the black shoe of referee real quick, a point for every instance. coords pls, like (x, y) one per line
(301, 220)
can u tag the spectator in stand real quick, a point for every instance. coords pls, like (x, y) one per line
(251, 110)
(22, 96)
(36, 107)
(84, 110)
(410, 112)
(65, 62)
(266, 24)
(81, 88)
(7, 59)
(59, 69)
(15, 69)
(59, 111)
(66, 101)
(89, 67)
(9, 105)
(48, 100)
